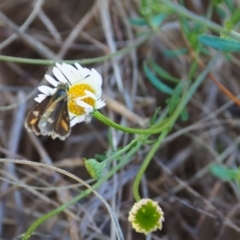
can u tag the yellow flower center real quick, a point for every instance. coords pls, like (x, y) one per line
(78, 91)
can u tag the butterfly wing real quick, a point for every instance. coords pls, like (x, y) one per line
(55, 120)
(62, 127)
(33, 117)
(50, 117)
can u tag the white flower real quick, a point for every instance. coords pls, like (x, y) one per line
(84, 93)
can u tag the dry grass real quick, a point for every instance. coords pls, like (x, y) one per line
(197, 205)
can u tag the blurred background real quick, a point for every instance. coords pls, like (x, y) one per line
(141, 57)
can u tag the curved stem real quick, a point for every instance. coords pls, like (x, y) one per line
(145, 165)
(58, 210)
(83, 61)
(110, 123)
(171, 121)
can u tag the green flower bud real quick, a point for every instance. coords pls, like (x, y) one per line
(94, 168)
(146, 216)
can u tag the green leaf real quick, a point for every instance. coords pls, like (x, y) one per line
(230, 5)
(184, 114)
(145, 9)
(156, 82)
(220, 43)
(100, 157)
(233, 20)
(185, 25)
(175, 53)
(163, 73)
(158, 19)
(216, 2)
(221, 12)
(138, 21)
(144, 3)
(224, 173)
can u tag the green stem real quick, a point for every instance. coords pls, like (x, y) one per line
(58, 210)
(145, 164)
(121, 151)
(110, 123)
(83, 61)
(183, 102)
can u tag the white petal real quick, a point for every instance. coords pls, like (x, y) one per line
(51, 80)
(90, 94)
(84, 72)
(71, 67)
(72, 73)
(81, 98)
(75, 72)
(88, 108)
(77, 119)
(95, 85)
(97, 77)
(99, 104)
(96, 82)
(40, 98)
(46, 90)
(68, 73)
(58, 74)
(79, 67)
(98, 92)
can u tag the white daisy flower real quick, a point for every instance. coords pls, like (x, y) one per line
(84, 93)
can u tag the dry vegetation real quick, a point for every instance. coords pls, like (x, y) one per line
(196, 204)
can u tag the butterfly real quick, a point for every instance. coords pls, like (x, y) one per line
(50, 117)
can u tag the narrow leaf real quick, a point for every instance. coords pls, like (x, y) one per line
(175, 53)
(220, 43)
(184, 114)
(223, 172)
(158, 19)
(156, 82)
(163, 73)
(138, 21)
